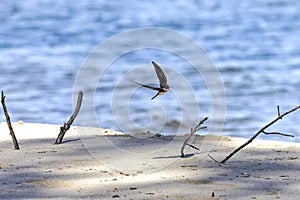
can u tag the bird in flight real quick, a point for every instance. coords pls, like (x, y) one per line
(162, 81)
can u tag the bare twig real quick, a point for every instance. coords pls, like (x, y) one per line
(262, 130)
(193, 146)
(67, 125)
(277, 133)
(214, 159)
(278, 112)
(11, 130)
(193, 131)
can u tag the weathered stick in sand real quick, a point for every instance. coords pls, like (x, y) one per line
(262, 130)
(11, 130)
(67, 125)
(193, 131)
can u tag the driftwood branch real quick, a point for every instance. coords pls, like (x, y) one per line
(262, 130)
(11, 130)
(193, 131)
(67, 125)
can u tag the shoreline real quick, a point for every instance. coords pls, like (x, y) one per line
(104, 164)
(53, 130)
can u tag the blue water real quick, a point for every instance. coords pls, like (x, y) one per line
(255, 45)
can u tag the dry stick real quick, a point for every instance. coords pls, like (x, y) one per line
(193, 146)
(277, 133)
(193, 131)
(278, 111)
(67, 125)
(214, 159)
(11, 130)
(262, 130)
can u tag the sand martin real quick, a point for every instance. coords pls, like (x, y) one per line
(162, 81)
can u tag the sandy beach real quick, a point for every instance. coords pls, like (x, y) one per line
(95, 163)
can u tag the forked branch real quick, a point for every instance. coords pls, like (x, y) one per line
(262, 130)
(193, 131)
(67, 125)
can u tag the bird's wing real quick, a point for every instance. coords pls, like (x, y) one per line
(147, 86)
(160, 74)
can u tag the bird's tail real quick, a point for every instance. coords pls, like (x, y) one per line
(155, 95)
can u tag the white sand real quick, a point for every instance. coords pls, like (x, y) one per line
(94, 163)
